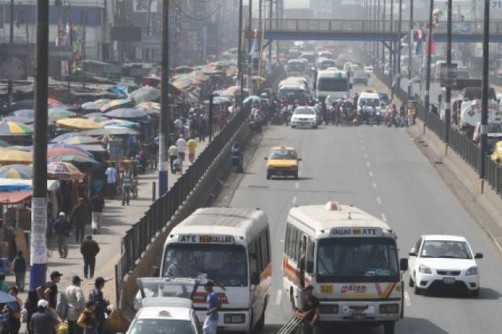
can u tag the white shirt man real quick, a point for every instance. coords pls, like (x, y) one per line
(75, 303)
(181, 144)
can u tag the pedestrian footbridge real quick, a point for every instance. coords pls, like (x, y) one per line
(370, 30)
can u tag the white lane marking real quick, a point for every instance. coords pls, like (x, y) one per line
(384, 217)
(282, 240)
(374, 185)
(370, 173)
(368, 164)
(278, 297)
(364, 147)
(365, 156)
(379, 200)
(297, 185)
(294, 200)
(407, 299)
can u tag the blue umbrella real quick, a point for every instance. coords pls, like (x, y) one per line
(252, 98)
(5, 298)
(26, 113)
(126, 113)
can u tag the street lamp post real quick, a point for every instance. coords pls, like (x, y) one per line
(400, 32)
(447, 112)
(429, 53)
(410, 52)
(484, 96)
(239, 56)
(11, 41)
(164, 100)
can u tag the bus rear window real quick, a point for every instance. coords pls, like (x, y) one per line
(332, 85)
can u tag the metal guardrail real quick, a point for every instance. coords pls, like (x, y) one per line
(493, 174)
(464, 147)
(371, 26)
(436, 125)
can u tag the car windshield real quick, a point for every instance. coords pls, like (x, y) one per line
(283, 155)
(493, 128)
(225, 264)
(446, 249)
(304, 111)
(162, 326)
(332, 84)
(357, 260)
(360, 75)
(369, 102)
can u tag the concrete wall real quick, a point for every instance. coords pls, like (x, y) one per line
(206, 188)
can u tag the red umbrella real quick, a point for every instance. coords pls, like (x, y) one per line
(55, 151)
(52, 101)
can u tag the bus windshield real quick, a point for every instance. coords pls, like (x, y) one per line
(292, 96)
(357, 260)
(225, 264)
(332, 84)
(296, 67)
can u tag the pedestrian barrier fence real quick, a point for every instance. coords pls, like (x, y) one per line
(290, 326)
(139, 236)
(458, 141)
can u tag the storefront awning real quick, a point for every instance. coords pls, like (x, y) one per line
(14, 197)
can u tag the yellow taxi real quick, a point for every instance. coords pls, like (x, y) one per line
(282, 161)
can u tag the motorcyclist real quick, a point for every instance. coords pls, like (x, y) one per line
(236, 157)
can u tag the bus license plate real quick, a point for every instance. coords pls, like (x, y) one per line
(359, 316)
(448, 280)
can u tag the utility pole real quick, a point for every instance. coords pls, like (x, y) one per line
(429, 54)
(250, 46)
(38, 246)
(400, 33)
(410, 52)
(239, 55)
(447, 112)
(484, 95)
(164, 100)
(11, 41)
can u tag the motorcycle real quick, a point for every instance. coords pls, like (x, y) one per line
(236, 160)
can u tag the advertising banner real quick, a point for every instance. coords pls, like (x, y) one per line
(14, 61)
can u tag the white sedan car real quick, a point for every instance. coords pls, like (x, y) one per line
(304, 117)
(443, 263)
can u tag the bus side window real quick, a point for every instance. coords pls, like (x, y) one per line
(310, 256)
(253, 262)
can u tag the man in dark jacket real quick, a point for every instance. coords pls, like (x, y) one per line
(80, 216)
(19, 266)
(96, 295)
(89, 249)
(62, 230)
(97, 205)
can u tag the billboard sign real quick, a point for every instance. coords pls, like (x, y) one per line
(14, 61)
(448, 76)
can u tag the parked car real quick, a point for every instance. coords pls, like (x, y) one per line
(360, 78)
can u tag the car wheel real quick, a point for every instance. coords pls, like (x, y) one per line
(411, 284)
(417, 291)
(268, 176)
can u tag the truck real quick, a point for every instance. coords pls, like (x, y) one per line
(332, 82)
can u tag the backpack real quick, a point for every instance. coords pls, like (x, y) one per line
(62, 306)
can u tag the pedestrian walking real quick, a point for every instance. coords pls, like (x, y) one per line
(42, 322)
(97, 205)
(213, 305)
(49, 290)
(11, 314)
(96, 295)
(181, 144)
(310, 311)
(173, 155)
(30, 307)
(126, 184)
(75, 302)
(153, 152)
(89, 249)
(111, 181)
(62, 230)
(19, 267)
(191, 147)
(87, 320)
(80, 216)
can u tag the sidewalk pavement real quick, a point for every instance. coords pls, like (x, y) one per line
(117, 219)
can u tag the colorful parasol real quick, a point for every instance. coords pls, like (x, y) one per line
(81, 140)
(78, 124)
(118, 103)
(69, 149)
(145, 94)
(24, 120)
(53, 102)
(77, 160)
(95, 105)
(121, 123)
(63, 171)
(126, 113)
(9, 128)
(16, 171)
(25, 113)
(56, 113)
(149, 107)
(15, 157)
(231, 91)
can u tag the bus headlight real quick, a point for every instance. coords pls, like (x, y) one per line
(328, 309)
(389, 308)
(238, 318)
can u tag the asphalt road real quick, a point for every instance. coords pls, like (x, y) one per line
(382, 171)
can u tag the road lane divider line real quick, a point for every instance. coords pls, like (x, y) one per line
(370, 173)
(379, 200)
(384, 217)
(365, 156)
(374, 185)
(297, 185)
(407, 299)
(368, 164)
(278, 297)
(363, 147)
(294, 199)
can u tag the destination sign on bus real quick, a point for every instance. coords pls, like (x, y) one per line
(356, 232)
(205, 239)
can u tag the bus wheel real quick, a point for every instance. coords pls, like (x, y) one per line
(389, 327)
(292, 299)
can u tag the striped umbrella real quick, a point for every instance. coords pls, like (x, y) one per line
(118, 103)
(77, 160)
(78, 124)
(15, 157)
(9, 128)
(95, 105)
(56, 113)
(16, 171)
(81, 140)
(120, 122)
(70, 149)
(126, 113)
(149, 107)
(63, 171)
